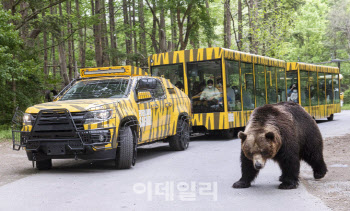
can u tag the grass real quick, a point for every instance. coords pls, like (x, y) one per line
(5, 134)
(345, 107)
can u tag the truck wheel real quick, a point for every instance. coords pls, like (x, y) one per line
(125, 149)
(331, 117)
(180, 140)
(44, 164)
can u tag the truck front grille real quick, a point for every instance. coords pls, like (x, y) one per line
(56, 124)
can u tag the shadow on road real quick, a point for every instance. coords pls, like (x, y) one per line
(144, 153)
(322, 121)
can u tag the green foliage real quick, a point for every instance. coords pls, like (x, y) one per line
(347, 97)
(5, 133)
(345, 107)
(20, 76)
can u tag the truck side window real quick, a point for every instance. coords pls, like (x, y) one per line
(158, 91)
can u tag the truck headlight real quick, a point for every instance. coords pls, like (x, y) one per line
(98, 116)
(27, 119)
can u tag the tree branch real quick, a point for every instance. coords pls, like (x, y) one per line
(153, 13)
(32, 16)
(73, 31)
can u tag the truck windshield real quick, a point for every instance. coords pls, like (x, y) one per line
(105, 88)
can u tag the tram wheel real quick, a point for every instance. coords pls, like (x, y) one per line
(331, 117)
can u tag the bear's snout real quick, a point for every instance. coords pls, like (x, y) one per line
(258, 161)
(258, 165)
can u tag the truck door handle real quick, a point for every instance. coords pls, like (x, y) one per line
(168, 104)
(155, 106)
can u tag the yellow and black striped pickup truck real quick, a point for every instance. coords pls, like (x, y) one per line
(105, 114)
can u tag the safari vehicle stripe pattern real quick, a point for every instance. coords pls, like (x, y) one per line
(151, 118)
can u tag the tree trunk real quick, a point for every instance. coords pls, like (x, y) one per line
(183, 40)
(70, 51)
(7, 4)
(173, 29)
(162, 32)
(14, 92)
(24, 12)
(227, 24)
(113, 37)
(104, 36)
(97, 33)
(134, 30)
(253, 23)
(142, 35)
(207, 6)
(255, 27)
(127, 32)
(240, 24)
(131, 30)
(45, 50)
(53, 11)
(62, 54)
(81, 36)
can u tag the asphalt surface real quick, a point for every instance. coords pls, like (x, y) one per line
(198, 178)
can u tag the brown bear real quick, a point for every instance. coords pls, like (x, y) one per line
(286, 133)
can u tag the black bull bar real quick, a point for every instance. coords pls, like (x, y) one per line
(55, 132)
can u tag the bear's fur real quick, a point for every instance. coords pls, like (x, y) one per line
(286, 133)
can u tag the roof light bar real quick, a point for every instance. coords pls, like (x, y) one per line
(105, 71)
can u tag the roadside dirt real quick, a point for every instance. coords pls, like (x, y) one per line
(13, 165)
(333, 189)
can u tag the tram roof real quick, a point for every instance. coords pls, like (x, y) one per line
(311, 67)
(204, 54)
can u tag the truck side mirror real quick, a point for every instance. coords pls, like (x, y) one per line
(144, 95)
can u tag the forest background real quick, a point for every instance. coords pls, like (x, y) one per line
(43, 43)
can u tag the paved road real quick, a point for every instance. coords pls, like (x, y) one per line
(199, 178)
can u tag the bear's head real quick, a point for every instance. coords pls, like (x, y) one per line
(259, 146)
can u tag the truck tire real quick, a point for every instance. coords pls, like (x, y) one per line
(125, 149)
(44, 164)
(180, 140)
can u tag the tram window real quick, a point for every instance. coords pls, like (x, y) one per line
(172, 72)
(304, 88)
(248, 86)
(260, 85)
(205, 86)
(336, 88)
(313, 88)
(329, 89)
(321, 88)
(271, 85)
(233, 86)
(281, 81)
(292, 84)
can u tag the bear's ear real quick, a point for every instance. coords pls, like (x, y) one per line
(242, 136)
(270, 136)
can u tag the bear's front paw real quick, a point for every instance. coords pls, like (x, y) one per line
(241, 184)
(285, 185)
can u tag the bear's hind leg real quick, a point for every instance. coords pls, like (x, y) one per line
(249, 173)
(316, 161)
(290, 173)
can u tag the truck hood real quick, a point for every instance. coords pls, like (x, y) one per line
(72, 105)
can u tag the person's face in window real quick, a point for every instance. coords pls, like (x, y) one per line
(210, 85)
